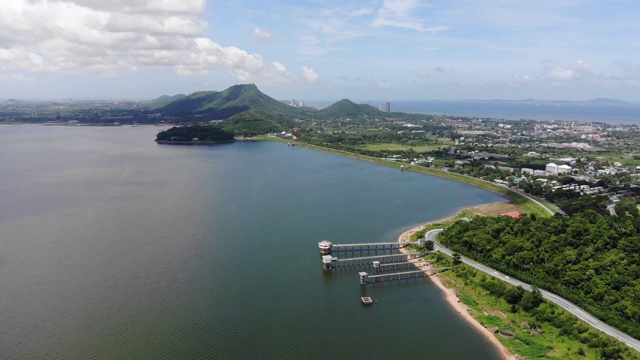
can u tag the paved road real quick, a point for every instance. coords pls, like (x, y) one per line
(565, 304)
(554, 209)
(551, 211)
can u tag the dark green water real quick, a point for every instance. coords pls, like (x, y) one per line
(113, 247)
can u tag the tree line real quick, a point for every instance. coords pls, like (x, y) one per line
(589, 258)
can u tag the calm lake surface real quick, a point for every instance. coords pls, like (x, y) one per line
(114, 247)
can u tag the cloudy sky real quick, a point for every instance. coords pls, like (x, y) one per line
(321, 49)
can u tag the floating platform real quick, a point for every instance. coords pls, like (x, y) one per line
(366, 300)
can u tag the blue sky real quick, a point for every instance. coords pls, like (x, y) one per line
(321, 50)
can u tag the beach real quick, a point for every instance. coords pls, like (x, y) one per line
(452, 299)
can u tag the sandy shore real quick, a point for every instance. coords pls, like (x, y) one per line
(459, 307)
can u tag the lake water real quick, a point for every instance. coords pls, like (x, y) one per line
(114, 247)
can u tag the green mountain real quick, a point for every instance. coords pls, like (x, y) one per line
(255, 122)
(218, 105)
(165, 99)
(247, 111)
(348, 108)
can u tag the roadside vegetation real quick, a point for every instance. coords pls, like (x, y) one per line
(540, 328)
(593, 260)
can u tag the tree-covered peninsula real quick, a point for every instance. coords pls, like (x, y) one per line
(195, 134)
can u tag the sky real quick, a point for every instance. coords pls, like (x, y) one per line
(321, 49)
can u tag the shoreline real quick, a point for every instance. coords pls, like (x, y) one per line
(527, 204)
(196, 142)
(451, 298)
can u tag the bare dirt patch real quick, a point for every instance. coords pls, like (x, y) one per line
(496, 313)
(494, 209)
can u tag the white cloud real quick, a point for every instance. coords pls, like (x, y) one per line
(105, 37)
(361, 12)
(579, 70)
(399, 13)
(437, 28)
(555, 72)
(560, 73)
(310, 74)
(523, 78)
(260, 34)
(279, 67)
(18, 78)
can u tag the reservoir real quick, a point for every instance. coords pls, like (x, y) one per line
(114, 247)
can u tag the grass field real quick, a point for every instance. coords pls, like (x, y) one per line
(401, 147)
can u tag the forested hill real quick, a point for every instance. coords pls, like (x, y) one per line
(195, 134)
(219, 105)
(348, 108)
(165, 99)
(256, 122)
(590, 259)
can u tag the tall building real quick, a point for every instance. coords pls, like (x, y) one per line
(388, 106)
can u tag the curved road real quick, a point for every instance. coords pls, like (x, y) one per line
(565, 304)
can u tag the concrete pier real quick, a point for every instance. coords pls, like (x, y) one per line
(330, 262)
(405, 275)
(379, 268)
(327, 247)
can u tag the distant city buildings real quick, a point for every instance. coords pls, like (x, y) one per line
(295, 103)
(386, 107)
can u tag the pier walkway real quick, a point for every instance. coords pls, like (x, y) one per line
(331, 262)
(405, 275)
(379, 268)
(327, 247)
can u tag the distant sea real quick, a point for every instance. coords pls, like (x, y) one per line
(607, 112)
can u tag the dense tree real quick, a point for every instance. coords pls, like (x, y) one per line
(428, 245)
(205, 133)
(589, 258)
(626, 206)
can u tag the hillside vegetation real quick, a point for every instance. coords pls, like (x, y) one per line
(347, 108)
(199, 133)
(219, 105)
(255, 122)
(590, 259)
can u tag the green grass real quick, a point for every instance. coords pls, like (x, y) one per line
(420, 234)
(402, 147)
(623, 159)
(495, 313)
(468, 300)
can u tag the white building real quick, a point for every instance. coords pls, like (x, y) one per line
(564, 169)
(526, 171)
(551, 169)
